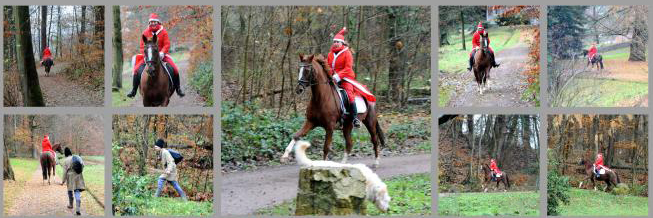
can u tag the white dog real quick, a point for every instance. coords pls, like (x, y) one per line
(375, 190)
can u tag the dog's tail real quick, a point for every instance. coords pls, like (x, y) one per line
(300, 153)
(379, 132)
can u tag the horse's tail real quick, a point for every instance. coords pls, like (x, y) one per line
(379, 131)
(617, 175)
(507, 180)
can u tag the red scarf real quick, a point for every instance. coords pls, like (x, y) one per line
(155, 28)
(336, 50)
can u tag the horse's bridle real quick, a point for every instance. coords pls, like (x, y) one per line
(306, 82)
(149, 61)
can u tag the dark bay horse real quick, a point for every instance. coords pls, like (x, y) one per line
(48, 162)
(610, 177)
(324, 111)
(156, 84)
(597, 60)
(47, 64)
(482, 64)
(487, 178)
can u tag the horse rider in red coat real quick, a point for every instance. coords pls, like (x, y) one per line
(155, 28)
(341, 61)
(598, 164)
(46, 54)
(494, 168)
(476, 43)
(47, 147)
(592, 52)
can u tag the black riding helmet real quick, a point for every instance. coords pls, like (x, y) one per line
(67, 152)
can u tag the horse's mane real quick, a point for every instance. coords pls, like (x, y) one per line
(320, 60)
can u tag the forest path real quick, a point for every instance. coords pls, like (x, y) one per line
(506, 83)
(192, 99)
(245, 192)
(59, 91)
(38, 199)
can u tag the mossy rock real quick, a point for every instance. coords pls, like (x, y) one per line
(330, 191)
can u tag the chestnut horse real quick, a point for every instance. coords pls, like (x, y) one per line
(487, 178)
(610, 177)
(482, 64)
(324, 111)
(48, 162)
(156, 84)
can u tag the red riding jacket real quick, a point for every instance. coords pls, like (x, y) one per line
(494, 167)
(46, 144)
(599, 161)
(162, 38)
(46, 53)
(476, 39)
(343, 62)
(593, 50)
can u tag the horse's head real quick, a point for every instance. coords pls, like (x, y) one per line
(152, 58)
(306, 76)
(484, 38)
(57, 147)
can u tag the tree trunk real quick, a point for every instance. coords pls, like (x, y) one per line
(44, 20)
(98, 31)
(58, 53)
(117, 48)
(462, 28)
(32, 96)
(395, 68)
(49, 38)
(640, 38)
(82, 30)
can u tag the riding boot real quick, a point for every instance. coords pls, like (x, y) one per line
(471, 62)
(354, 115)
(176, 82)
(494, 63)
(135, 82)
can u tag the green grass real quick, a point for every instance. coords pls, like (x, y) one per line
(172, 207)
(603, 92)
(411, 196)
(23, 168)
(597, 203)
(490, 204)
(453, 59)
(444, 95)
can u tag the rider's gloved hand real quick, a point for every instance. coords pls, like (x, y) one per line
(336, 77)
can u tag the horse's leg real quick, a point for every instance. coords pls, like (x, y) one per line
(327, 143)
(308, 126)
(346, 132)
(370, 123)
(593, 182)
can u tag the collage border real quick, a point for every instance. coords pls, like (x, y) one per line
(107, 111)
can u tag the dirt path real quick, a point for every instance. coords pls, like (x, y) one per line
(245, 192)
(191, 99)
(39, 200)
(59, 91)
(506, 83)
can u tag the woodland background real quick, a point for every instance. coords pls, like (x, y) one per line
(75, 35)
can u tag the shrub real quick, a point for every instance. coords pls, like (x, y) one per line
(557, 186)
(202, 81)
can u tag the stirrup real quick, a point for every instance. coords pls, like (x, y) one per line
(357, 123)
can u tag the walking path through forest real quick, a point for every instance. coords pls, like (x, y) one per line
(191, 99)
(246, 192)
(59, 91)
(506, 83)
